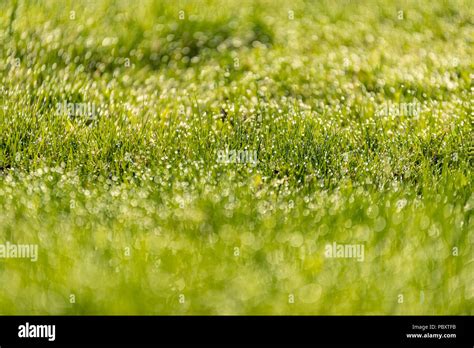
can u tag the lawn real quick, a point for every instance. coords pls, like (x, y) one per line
(236, 157)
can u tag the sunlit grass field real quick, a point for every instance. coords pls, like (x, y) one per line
(357, 116)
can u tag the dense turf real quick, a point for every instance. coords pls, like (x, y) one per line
(353, 122)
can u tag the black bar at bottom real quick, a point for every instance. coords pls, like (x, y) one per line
(313, 330)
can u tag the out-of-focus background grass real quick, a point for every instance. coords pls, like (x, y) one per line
(132, 212)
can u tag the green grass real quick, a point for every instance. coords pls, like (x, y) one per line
(133, 213)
